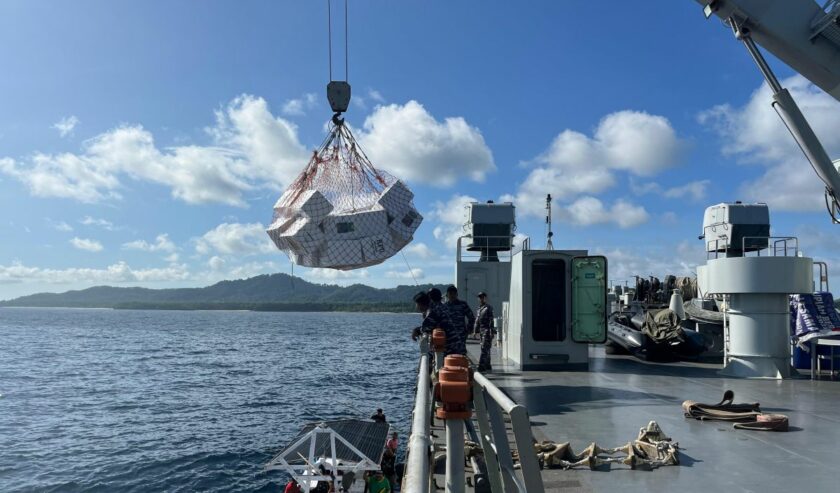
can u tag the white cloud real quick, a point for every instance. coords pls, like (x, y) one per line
(451, 216)
(235, 239)
(116, 273)
(298, 106)
(273, 154)
(86, 244)
(102, 223)
(630, 141)
(66, 125)
(587, 211)
(419, 250)
(335, 275)
(413, 274)
(375, 95)
(694, 190)
(755, 134)
(216, 263)
(172, 258)
(63, 226)
(162, 243)
(251, 269)
(680, 260)
(407, 141)
(251, 149)
(361, 102)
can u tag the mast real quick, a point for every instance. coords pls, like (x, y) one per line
(549, 245)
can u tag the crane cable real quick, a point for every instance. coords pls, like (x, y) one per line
(329, 39)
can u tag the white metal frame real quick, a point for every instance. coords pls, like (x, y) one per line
(299, 471)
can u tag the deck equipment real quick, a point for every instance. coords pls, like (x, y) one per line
(337, 446)
(806, 36)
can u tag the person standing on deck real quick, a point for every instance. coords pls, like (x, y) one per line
(436, 296)
(459, 311)
(434, 317)
(484, 325)
(379, 417)
(392, 442)
(377, 483)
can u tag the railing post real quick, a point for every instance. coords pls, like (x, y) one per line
(453, 390)
(455, 474)
(521, 424)
(417, 470)
(484, 431)
(500, 440)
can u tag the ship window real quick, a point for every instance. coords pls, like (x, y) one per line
(548, 309)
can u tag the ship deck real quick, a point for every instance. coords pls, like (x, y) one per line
(621, 394)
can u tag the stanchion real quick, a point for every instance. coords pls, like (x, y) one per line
(454, 392)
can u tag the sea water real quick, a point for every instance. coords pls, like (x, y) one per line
(133, 400)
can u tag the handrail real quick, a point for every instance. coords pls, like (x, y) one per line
(490, 404)
(504, 255)
(823, 275)
(417, 470)
(776, 241)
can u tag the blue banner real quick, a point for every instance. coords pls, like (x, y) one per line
(813, 315)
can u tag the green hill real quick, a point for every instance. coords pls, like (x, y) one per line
(276, 292)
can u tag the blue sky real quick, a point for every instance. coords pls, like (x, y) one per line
(144, 143)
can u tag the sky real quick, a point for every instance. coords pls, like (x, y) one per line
(145, 143)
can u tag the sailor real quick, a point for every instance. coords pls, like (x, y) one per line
(434, 317)
(379, 417)
(484, 325)
(436, 296)
(459, 311)
(388, 466)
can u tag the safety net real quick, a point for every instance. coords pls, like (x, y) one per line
(341, 212)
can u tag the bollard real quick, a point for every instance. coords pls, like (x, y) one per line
(454, 392)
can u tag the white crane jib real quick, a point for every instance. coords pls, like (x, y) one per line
(806, 36)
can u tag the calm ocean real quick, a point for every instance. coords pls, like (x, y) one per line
(113, 400)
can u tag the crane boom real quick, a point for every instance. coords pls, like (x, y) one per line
(807, 38)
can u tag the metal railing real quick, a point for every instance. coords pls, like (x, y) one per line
(780, 246)
(823, 276)
(417, 470)
(491, 404)
(484, 244)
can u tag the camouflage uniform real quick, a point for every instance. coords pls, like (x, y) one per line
(461, 315)
(437, 316)
(484, 325)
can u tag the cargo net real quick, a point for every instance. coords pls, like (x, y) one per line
(341, 212)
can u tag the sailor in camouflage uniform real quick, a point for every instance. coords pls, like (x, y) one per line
(436, 316)
(459, 311)
(436, 296)
(484, 325)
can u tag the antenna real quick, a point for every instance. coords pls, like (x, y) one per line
(548, 245)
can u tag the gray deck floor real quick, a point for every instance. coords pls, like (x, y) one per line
(620, 394)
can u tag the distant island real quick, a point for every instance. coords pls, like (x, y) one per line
(274, 292)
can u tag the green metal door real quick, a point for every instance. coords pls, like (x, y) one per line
(589, 299)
